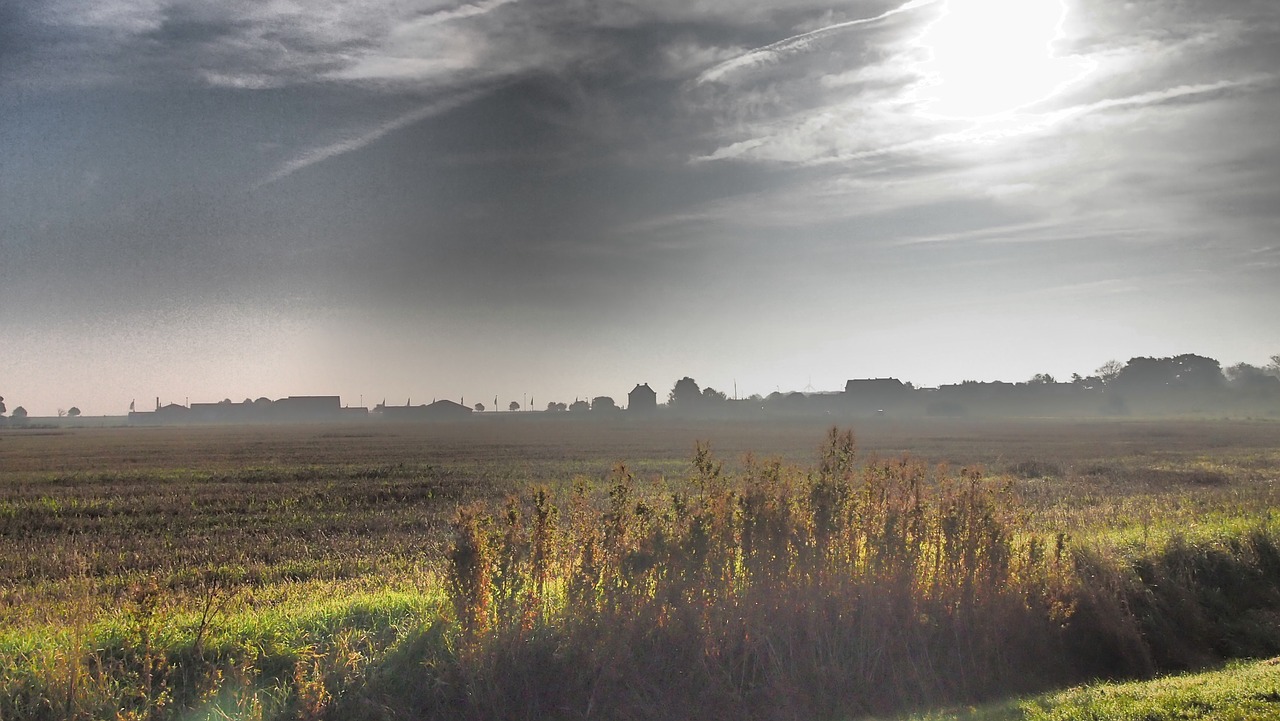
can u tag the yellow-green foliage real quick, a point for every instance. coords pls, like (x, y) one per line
(775, 585)
(1239, 692)
(148, 661)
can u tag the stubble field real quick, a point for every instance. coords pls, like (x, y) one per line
(314, 571)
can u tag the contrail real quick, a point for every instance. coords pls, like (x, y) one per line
(1156, 97)
(463, 11)
(316, 155)
(1039, 123)
(772, 51)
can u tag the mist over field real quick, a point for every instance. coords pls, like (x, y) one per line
(439, 199)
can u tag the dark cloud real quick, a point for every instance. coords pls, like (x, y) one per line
(189, 27)
(19, 35)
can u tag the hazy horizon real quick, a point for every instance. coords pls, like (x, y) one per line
(553, 200)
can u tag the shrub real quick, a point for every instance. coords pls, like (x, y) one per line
(844, 589)
(810, 591)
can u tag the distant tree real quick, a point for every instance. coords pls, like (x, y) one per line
(755, 397)
(73, 412)
(62, 412)
(479, 407)
(19, 414)
(247, 402)
(711, 394)
(603, 403)
(513, 406)
(1241, 372)
(1109, 371)
(1273, 367)
(578, 405)
(684, 393)
(1144, 374)
(2, 408)
(1042, 379)
(557, 407)
(1197, 371)
(1183, 372)
(1243, 376)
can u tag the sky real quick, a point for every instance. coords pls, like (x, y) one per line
(406, 200)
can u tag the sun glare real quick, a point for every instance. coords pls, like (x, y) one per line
(989, 57)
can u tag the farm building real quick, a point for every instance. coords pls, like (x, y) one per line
(642, 398)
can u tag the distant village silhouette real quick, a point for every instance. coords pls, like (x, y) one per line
(1186, 384)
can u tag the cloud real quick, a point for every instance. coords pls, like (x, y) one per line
(875, 124)
(776, 51)
(1156, 178)
(856, 106)
(684, 56)
(272, 43)
(468, 10)
(131, 17)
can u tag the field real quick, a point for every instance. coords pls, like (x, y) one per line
(624, 570)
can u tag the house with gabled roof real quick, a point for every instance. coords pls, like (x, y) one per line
(642, 398)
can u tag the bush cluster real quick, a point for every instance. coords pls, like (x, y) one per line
(845, 588)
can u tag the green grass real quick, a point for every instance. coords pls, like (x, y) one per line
(149, 662)
(1242, 691)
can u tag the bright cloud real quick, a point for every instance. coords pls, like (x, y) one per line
(989, 57)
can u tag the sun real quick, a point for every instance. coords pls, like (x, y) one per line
(986, 58)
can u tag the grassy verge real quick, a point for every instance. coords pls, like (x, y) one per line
(147, 661)
(1242, 691)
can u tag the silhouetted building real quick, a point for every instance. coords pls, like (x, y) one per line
(294, 409)
(435, 411)
(308, 407)
(170, 413)
(642, 398)
(448, 409)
